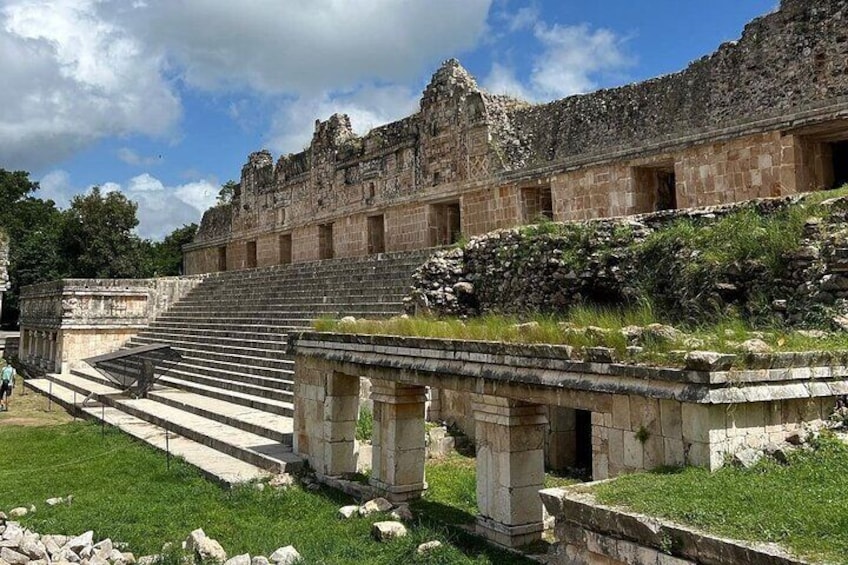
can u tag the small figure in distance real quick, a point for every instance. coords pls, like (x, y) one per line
(7, 383)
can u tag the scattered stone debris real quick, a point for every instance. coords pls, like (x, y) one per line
(428, 547)
(282, 481)
(389, 530)
(747, 458)
(348, 511)
(287, 555)
(374, 506)
(402, 513)
(205, 548)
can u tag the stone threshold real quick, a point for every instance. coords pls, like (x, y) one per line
(589, 530)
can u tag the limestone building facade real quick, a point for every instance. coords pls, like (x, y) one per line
(763, 116)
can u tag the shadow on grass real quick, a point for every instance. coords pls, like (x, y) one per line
(457, 526)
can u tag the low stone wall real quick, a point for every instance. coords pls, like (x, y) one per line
(588, 532)
(68, 320)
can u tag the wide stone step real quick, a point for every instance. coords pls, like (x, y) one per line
(245, 306)
(265, 404)
(224, 326)
(224, 335)
(277, 388)
(245, 355)
(273, 426)
(212, 463)
(195, 340)
(305, 322)
(246, 446)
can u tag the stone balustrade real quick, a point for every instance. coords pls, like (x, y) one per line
(68, 320)
(641, 417)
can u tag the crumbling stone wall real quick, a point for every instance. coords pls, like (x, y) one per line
(745, 122)
(552, 267)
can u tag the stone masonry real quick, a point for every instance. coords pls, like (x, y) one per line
(641, 417)
(763, 116)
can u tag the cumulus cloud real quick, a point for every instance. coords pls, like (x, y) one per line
(298, 46)
(368, 107)
(76, 78)
(571, 60)
(131, 157)
(161, 208)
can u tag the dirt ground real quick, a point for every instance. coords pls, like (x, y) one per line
(28, 408)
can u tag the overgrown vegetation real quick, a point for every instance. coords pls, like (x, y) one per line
(364, 424)
(123, 490)
(800, 505)
(587, 326)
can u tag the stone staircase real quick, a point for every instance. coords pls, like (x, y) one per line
(226, 406)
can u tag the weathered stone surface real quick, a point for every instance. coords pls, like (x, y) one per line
(428, 547)
(747, 458)
(18, 512)
(206, 548)
(13, 557)
(389, 530)
(348, 511)
(708, 361)
(375, 505)
(79, 542)
(402, 513)
(287, 555)
(259, 560)
(243, 559)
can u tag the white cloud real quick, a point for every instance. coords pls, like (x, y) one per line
(297, 46)
(161, 208)
(77, 78)
(572, 59)
(368, 107)
(131, 157)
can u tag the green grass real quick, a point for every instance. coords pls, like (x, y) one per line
(452, 493)
(802, 506)
(587, 326)
(122, 490)
(364, 424)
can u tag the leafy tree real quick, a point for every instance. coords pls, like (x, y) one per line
(98, 240)
(32, 226)
(227, 192)
(166, 256)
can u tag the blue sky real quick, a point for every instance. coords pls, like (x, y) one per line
(164, 99)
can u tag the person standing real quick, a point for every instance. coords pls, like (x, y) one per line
(7, 383)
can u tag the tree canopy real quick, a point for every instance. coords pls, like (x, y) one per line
(94, 238)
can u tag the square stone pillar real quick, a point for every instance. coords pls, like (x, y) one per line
(562, 438)
(510, 437)
(324, 423)
(397, 464)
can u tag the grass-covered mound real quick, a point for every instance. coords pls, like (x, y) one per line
(801, 505)
(123, 490)
(772, 262)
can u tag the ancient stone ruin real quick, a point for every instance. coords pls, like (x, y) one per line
(760, 117)
(340, 228)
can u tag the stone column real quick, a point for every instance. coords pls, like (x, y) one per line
(510, 438)
(324, 424)
(397, 464)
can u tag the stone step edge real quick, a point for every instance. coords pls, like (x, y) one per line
(182, 447)
(270, 433)
(192, 431)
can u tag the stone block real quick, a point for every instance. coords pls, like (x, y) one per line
(339, 384)
(673, 452)
(633, 452)
(518, 469)
(671, 419)
(616, 447)
(621, 411)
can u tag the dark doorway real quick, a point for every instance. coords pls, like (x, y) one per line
(285, 249)
(376, 234)
(537, 204)
(656, 188)
(250, 255)
(840, 163)
(583, 431)
(325, 241)
(222, 258)
(445, 223)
